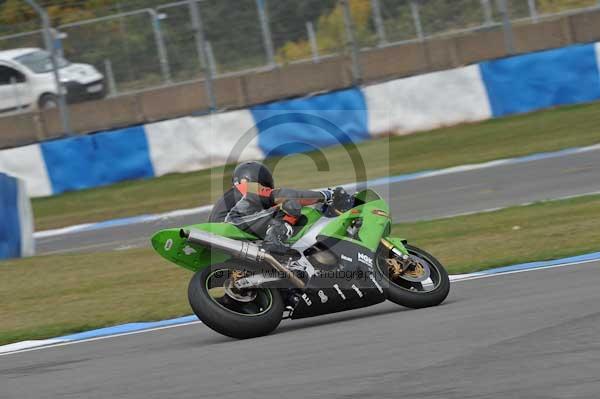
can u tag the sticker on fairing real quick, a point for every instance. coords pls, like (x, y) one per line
(339, 291)
(322, 296)
(366, 259)
(306, 299)
(358, 292)
(189, 250)
(376, 283)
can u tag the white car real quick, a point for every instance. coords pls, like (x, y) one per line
(27, 81)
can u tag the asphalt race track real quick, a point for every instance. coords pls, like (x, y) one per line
(524, 335)
(425, 198)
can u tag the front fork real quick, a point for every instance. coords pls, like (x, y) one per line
(396, 246)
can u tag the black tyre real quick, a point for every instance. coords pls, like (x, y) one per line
(409, 292)
(48, 101)
(228, 316)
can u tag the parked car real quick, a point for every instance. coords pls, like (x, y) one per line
(27, 81)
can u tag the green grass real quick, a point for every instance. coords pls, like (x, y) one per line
(545, 230)
(53, 295)
(471, 143)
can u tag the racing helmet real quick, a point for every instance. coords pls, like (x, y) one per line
(253, 171)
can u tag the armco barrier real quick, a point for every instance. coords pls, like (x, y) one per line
(517, 84)
(441, 54)
(20, 129)
(16, 228)
(586, 27)
(554, 33)
(404, 60)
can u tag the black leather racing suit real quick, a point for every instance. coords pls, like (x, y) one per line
(265, 212)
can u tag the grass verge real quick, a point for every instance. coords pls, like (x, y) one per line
(499, 138)
(54, 295)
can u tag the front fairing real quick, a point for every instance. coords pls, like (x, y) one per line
(375, 215)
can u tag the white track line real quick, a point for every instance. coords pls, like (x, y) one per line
(100, 338)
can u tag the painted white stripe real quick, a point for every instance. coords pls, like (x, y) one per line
(44, 344)
(62, 230)
(477, 166)
(195, 143)
(111, 223)
(24, 345)
(597, 47)
(477, 276)
(25, 220)
(428, 101)
(27, 163)
(488, 210)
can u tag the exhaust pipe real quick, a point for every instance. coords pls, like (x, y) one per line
(239, 249)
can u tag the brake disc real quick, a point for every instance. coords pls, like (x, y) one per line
(244, 295)
(411, 270)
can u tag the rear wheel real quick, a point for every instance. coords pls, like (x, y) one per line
(235, 313)
(417, 282)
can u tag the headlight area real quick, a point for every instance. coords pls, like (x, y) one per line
(79, 92)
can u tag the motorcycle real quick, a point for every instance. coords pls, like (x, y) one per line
(341, 258)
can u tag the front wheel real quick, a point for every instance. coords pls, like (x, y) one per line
(237, 314)
(417, 282)
(48, 101)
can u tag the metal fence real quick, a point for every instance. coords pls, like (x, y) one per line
(186, 40)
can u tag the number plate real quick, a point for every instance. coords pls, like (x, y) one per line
(94, 88)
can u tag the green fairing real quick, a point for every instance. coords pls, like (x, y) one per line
(312, 215)
(376, 223)
(195, 257)
(373, 210)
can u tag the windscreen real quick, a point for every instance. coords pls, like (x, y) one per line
(39, 61)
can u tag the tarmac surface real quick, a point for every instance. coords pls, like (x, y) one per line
(523, 335)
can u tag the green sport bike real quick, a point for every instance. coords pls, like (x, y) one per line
(340, 259)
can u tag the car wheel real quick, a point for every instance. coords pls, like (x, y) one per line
(48, 101)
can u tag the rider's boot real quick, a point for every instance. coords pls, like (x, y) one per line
(276, 236)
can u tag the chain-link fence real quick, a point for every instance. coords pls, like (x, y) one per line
(171, 42)
(159, 46)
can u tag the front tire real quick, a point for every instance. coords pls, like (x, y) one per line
(48, 101)
(229, 317)
(410, 294)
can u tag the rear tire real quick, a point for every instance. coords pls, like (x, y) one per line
(402, 295)
(227, 321)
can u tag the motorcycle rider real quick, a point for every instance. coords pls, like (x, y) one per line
(256, 206)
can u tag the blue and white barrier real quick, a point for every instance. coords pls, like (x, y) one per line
(546, 79)
(306, 124)
(193, 143)
(428, 101)
(16, 219)
(491, 89)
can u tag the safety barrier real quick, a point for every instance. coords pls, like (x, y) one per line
(518, 84)
(16, 220)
